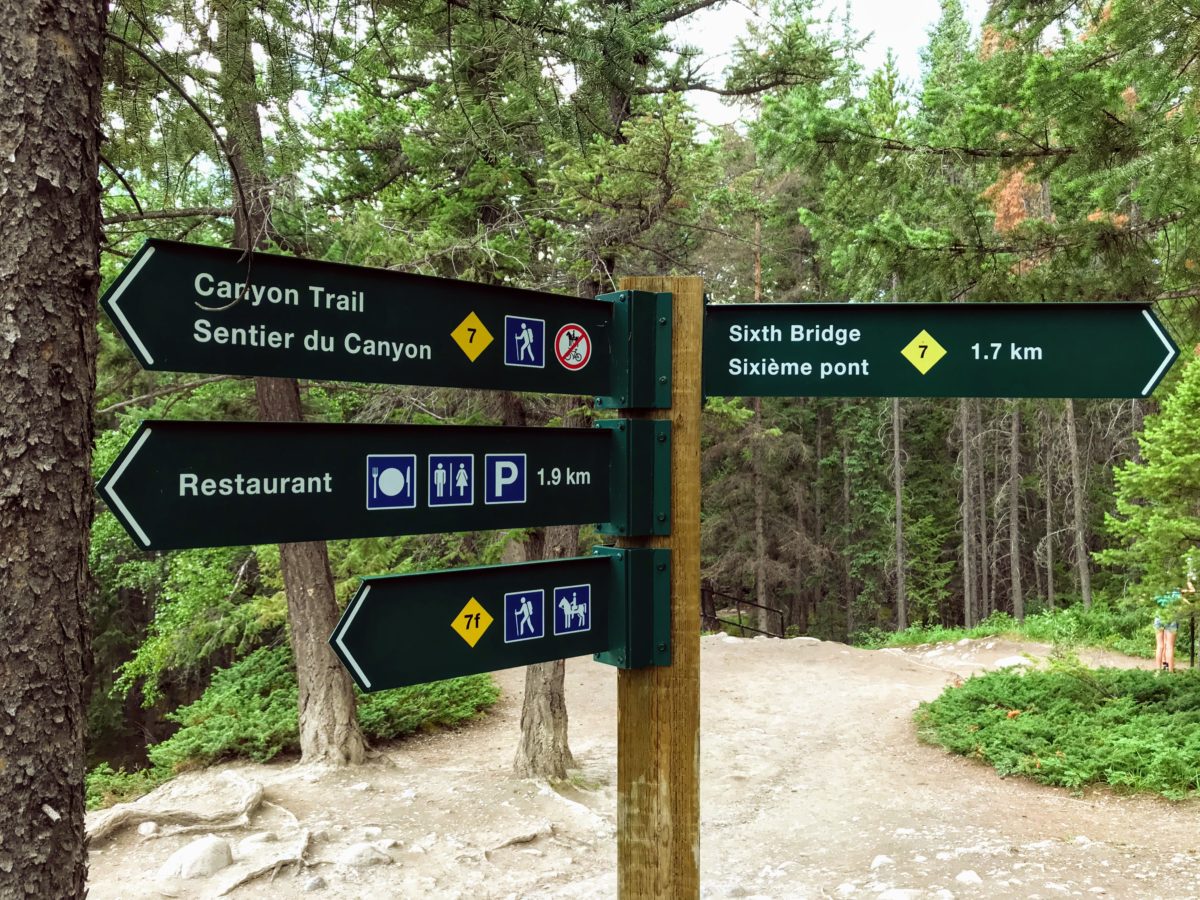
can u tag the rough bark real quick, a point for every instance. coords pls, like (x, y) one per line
(50, 79)
(898, 486)
(329, 729)
(1014, 523)
(543, 750)
(1081, 557)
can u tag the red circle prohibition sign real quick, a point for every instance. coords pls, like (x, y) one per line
(573, 347)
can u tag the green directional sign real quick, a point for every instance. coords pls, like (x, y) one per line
(191, 308)
(935, 350)
(408, 629)
(210, 484)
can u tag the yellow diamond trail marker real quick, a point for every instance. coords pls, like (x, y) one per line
(472, 622)
(923, 352)
(471, 336)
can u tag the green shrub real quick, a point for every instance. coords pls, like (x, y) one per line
(1104, 625)
(1073, 726)
(438, 704)
(105, 786)
(250, 710)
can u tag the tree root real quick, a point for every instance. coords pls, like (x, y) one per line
(103, 824)
(294, 857)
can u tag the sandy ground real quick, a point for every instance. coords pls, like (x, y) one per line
(813, 785)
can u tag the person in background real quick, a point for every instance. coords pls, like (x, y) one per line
(1166, 629)
(1166, 622)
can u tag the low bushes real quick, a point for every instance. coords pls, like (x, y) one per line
(1071, 726)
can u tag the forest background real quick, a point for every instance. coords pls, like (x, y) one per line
(549, 144)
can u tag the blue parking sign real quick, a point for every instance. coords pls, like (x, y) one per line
(525, 342)
(451, 479)
(391, 481)
(504, 478)
(572, 609)
(524, 616)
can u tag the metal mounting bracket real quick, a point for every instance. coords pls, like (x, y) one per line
(641, 351)
(639, 620)
(641, 477)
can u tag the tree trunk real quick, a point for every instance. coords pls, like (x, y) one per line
(1081, 557)
(329, 729)
(847, 580)
(1049, 489)
(543, 750)
(984, 605)
(968, 524)
(757, 451)
(760, 615)
(1014, 502)
(50, 79)
(898, 483)
(1137, 421)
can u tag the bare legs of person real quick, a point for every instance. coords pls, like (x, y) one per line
(1164, 648)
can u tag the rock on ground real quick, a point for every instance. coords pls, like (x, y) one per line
(202, 857)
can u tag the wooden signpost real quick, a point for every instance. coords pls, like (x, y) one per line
(658, 709)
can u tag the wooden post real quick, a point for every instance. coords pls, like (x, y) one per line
(658, 709)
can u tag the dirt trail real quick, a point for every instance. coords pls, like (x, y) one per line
(813, 785)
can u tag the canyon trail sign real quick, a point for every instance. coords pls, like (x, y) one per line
(192, 308)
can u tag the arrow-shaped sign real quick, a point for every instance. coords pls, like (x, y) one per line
(408, 629)
(212, 484)
(935, 350)
(192, 308)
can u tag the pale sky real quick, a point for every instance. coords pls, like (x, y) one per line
(902, 25)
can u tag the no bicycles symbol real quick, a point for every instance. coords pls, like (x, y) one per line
(573, 347)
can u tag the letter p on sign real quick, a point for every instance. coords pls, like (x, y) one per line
(504, 476)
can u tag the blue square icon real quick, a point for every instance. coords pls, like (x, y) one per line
(451, 479)
(504, 478)
(524, 616)
(524, 342)
(391, 481)
(572, 609)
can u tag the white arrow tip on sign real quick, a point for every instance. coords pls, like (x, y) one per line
(340, 640)
(111, 490)
(1171, 353)
(126, 280)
